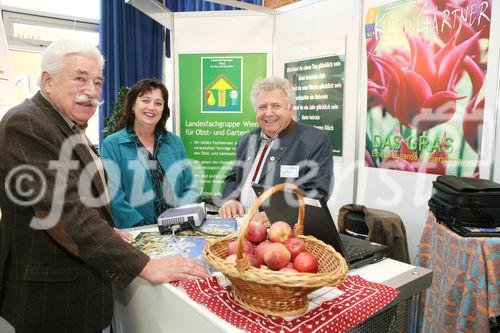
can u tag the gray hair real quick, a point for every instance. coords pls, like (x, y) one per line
(53, 57)
(271, 83)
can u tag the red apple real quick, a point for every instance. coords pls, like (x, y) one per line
(256, 232)
(279, 232)
(288, 269)
(233, 247)
(254, 261)
(295, 246)
(277, 256)
(260, 249)
(306, 262)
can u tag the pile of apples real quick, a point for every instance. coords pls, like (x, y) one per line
(274, 248)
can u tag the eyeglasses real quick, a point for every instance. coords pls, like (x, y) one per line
(273, 106)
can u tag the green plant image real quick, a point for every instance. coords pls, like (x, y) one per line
(112, 121)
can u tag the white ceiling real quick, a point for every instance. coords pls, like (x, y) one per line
(86, 9)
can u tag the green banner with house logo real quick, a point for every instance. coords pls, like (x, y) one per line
(221, 84)
(215, 111)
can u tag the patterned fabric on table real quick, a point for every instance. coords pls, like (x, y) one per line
(465, 289)
(330, 309)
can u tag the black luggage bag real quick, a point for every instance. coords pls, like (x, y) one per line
(461, 202)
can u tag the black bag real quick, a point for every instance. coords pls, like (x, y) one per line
(461, 201)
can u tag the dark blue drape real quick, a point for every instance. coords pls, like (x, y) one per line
(132, 45)
(200, 5)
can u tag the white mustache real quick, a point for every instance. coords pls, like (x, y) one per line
(87, 99)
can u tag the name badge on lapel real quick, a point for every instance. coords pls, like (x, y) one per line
(289, 171)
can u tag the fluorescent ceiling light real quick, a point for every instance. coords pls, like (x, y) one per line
(154, 10)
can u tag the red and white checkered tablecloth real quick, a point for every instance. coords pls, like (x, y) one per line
(330, 309)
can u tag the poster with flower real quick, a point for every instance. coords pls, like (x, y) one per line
(426, 67)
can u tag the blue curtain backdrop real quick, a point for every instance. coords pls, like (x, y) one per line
(132, 45)
(199, 5)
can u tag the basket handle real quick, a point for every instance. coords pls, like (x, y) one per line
(242, 263)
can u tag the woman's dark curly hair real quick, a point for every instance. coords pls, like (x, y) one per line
(137, 90)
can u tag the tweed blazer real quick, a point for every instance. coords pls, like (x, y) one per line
(55, 273)
(299, 145)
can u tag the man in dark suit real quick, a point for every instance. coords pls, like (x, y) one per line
(280, 150)
(59, 253)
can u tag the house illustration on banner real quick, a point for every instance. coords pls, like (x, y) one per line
(221, 95)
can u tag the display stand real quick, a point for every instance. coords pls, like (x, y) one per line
(143, 307)
(465, 290)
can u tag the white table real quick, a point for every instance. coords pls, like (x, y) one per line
(143, 307)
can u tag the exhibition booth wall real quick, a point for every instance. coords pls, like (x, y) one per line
(407, 193)
(321, 46)
(311, 30)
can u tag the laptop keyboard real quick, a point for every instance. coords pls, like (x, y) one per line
(354, 252)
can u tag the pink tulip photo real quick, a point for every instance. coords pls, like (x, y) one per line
(426, 65)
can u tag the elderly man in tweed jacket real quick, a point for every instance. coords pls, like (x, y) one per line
(59, 253)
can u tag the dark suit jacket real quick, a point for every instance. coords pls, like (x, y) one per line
(298, 144)
(55, 280)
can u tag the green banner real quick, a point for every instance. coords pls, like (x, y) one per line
(221, 85)
(319, 86)
(215, 110)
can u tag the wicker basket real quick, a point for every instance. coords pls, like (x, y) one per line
(273, 292)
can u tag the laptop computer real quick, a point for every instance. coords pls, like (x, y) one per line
(475, 231)
(318, 222)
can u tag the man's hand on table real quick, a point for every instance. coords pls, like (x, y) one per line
(173, 268)
(126, 236)
(231, 208)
